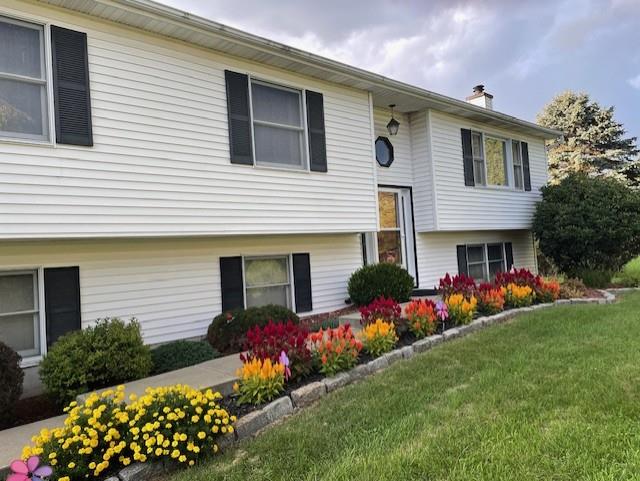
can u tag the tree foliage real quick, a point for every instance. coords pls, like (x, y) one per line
(594, 142)
(586, 223)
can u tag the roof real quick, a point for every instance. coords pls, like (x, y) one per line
(170, 22)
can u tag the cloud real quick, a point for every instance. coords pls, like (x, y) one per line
(635, 82)
(524, 52)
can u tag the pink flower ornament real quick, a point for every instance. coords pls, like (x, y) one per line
(29, 470)
(442, 311)
(284, 360)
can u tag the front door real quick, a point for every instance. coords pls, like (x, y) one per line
(394, 242)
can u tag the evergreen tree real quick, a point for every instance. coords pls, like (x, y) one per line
(594, 142)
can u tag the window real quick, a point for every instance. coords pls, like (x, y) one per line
(384, 152)
(484, 261)
(267, 281)
(518, 173)
(389, 235)
(23, 85)
(476, 262)
(496, 161)
(478, 158)
(20, 312)
(278, 125)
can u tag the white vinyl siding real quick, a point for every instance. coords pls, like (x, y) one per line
(437, 251)
(160, 161)
(400, 173)
(172, 286)
(423, 192)
(462, 208)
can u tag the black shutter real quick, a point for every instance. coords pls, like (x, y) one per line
(231, 283)
(317, 140)
(508, 253)
(71, 94)
(462, 259)
(525, 165)
(467, 157)
(302, 282)
(62, 301)
(239, 118)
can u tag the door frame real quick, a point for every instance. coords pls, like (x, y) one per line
(407, 231)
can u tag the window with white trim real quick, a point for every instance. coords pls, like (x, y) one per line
(23, 81)
(484, 261)
(20, 312)
(490, 160)
(518, 171)
(278, 125)
(267, 281)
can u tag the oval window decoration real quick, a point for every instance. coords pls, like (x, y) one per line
(384, 151)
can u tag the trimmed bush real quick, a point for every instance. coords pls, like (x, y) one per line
(108, 353)
(228, 331)
(178, 354)
(629, 276)
(380, 280)
(11, 377)
(586, 223)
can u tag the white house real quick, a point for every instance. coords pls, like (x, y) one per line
(158, 165)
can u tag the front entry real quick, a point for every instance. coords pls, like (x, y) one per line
(394, 241)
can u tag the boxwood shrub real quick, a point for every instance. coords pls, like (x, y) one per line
(110, 352)
(227, 332)
(11, 377)
(178, 354)
(375, 280)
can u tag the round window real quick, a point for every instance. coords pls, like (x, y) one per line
(384, 151)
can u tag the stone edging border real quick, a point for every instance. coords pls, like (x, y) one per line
(255, 421)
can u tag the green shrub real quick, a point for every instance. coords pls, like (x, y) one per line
(595, 278)
(178, 354)
(227, 333)
(376, 280)
(629, 276)
(586, 223)
(11, 377)
(109, 353)
(570, 288)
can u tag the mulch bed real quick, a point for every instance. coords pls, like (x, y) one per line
(36, 408)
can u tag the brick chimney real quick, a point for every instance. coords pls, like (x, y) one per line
(480, 98)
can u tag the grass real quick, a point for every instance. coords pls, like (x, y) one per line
(629, 275)
(552, 395)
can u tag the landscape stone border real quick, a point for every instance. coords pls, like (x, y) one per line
(256, 421)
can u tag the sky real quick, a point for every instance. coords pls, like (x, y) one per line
(524, 52)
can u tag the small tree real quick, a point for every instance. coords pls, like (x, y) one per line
(586, 223)
(594, 142)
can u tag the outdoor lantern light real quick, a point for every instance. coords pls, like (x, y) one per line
(393, 124)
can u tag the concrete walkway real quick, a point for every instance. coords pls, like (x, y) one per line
(219, 374)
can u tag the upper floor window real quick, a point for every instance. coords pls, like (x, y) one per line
(278, 125)
(23, 84)
(490, 162)
(518, 171)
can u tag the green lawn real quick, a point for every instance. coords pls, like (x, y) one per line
(554, 395)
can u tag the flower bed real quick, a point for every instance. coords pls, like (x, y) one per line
(331, 358)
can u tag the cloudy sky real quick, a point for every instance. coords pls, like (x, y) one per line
(525, 52)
